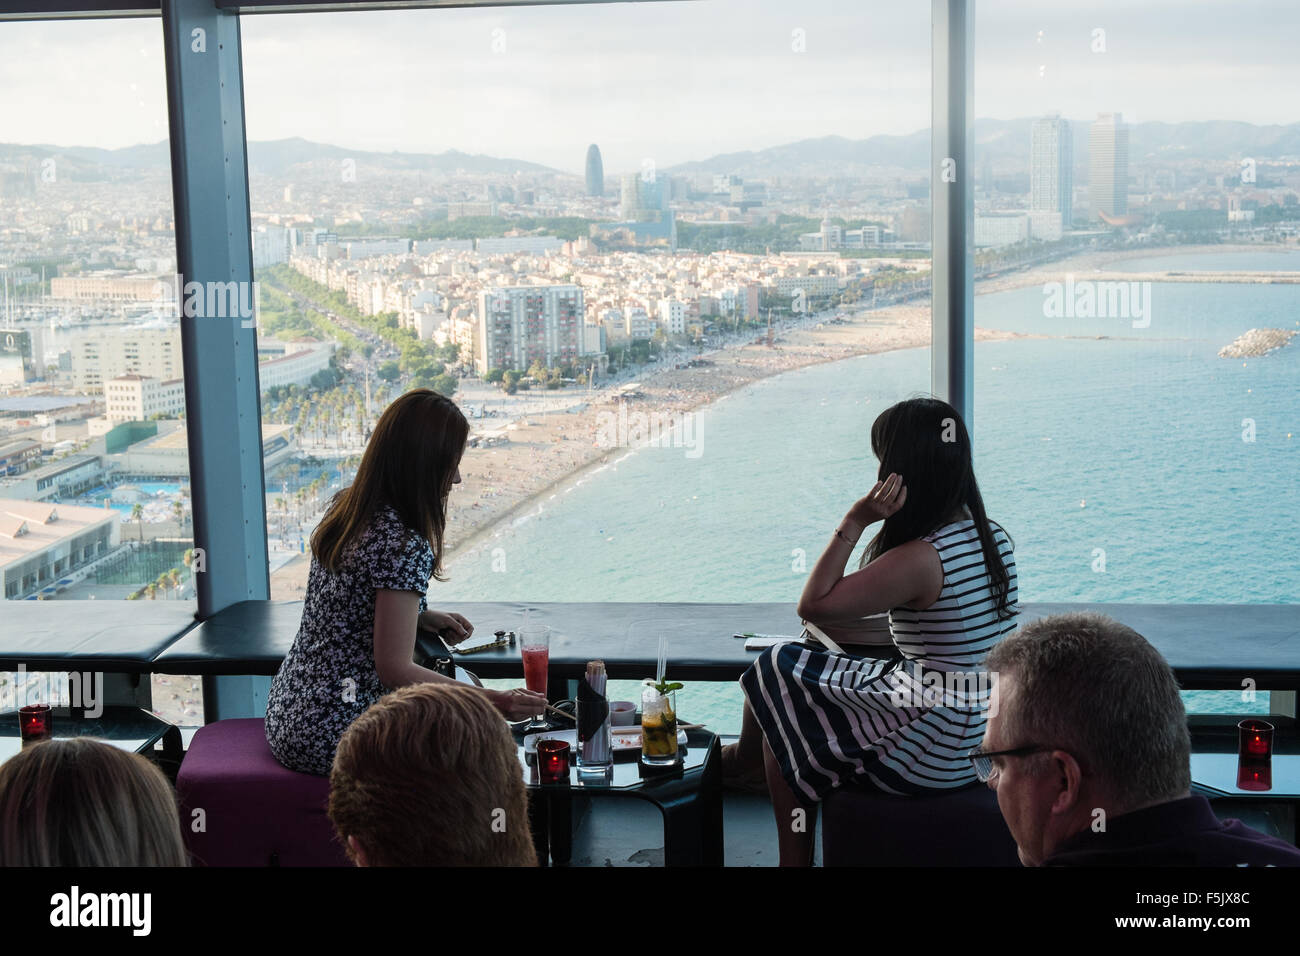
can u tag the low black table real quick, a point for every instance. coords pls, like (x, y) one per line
(129, 728)
(688, 795)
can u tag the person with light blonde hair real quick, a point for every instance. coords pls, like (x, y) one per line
(429, 776)
(83, 802)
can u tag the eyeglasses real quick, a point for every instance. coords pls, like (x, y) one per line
(983, 761)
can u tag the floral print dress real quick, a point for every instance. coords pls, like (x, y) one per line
(328, 678)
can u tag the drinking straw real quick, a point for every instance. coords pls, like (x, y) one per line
(663, 658)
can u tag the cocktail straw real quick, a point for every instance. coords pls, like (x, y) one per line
(663, 658)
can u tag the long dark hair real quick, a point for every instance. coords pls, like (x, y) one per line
(925, 441)
(409, 464)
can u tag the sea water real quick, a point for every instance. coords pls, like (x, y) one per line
(1129, 464)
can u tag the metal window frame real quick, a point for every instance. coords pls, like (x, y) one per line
(952, 205)
(209, 157)
(209, 148)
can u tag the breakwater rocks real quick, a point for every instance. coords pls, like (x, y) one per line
(1256, 342)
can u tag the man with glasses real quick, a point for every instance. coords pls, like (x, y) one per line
(1089, 753)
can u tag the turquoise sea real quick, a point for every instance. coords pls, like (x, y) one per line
(1128, 464)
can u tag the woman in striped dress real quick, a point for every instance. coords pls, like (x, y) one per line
(946, 574)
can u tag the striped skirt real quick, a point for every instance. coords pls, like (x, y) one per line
(833, 720)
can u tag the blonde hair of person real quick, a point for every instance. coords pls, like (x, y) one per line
(83, 802)
(429, 776)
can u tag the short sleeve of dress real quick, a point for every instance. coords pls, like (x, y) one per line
(399, 559)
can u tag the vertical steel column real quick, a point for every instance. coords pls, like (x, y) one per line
(952, 197)
(205, 97)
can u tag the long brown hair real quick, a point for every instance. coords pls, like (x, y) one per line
(83, 802)
(925, 441)
(430, 776)
(409, 465)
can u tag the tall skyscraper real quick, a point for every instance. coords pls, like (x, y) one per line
(595, 172)
(1051, 167)
(1108, 166)
(642, 199)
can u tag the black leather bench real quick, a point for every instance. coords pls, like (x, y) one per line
(864, 827)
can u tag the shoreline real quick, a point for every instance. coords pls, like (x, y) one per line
(549, 452)
(596, 463)
(747, 365)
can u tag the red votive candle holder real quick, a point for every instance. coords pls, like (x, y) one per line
(35, 723)
(1254, 755)
(1254, 738)
(553, 761)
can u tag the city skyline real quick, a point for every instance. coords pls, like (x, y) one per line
(628, 78)
(734, 156)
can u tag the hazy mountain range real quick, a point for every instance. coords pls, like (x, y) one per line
(999, 142)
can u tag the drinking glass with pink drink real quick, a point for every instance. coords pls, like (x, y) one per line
(535, 649)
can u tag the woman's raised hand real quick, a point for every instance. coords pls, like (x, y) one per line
(881, 502)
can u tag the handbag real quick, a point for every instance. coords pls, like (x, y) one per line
(811, 631)
(870, 641)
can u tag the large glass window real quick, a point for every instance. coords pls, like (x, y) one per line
(672, 259)
(1140, 234)
(94, 489)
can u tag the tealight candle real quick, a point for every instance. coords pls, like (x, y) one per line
(1254, 738)
(35, 723)
(553, 761)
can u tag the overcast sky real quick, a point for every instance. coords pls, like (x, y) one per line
(673, 81)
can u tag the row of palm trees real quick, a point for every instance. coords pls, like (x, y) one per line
(333, 413)
(307, 497)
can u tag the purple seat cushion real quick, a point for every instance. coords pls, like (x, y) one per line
(862, 827)
(255, 812)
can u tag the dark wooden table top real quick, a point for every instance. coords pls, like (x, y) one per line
(1211, 647)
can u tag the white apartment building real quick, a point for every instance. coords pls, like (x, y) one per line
(461, 330)
(368, 248)
(812, 286)
(138, 398)
(273, 244)
(99, 355)
(1001, 230)
(296, 367)
(594, 340)
(672, 316)
(636, 322)
(520, 325)
(1051, 168)
(425, 321)
(532, 245)
(106, 288)
(424, 246)
(456, 210)
(865, 238)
